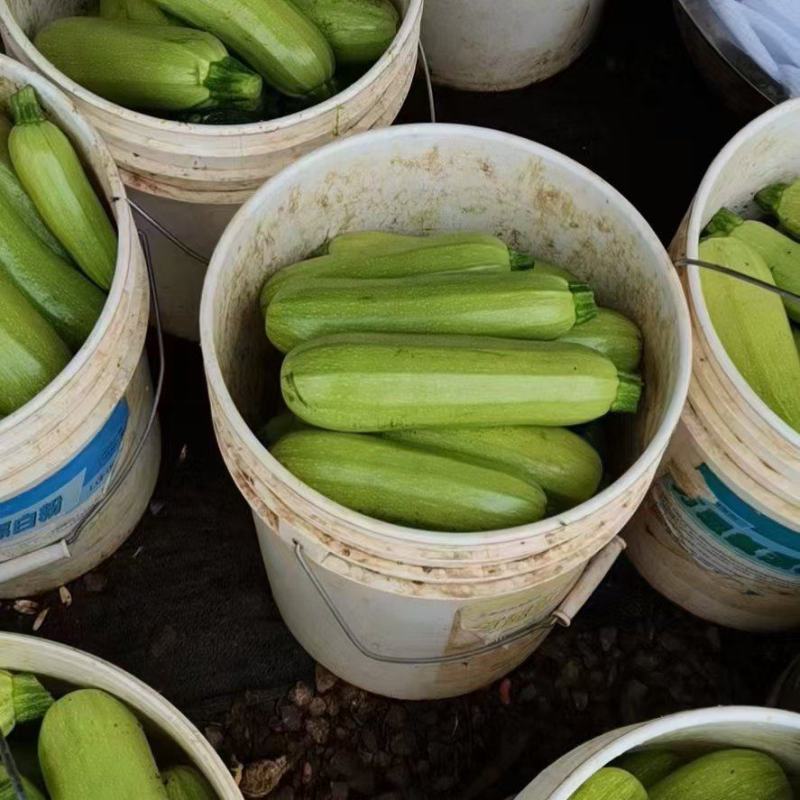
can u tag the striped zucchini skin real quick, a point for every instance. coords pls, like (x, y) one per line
(752, 326)
(134, 10)
(611, 783)
(650, 766)
(31, 353)
(380, 382)
(359, 31)
(70, 302)
(566, 466)
(458, 257)
(148, 67)
(613, 335)
(521, 305)
(53, 176)
(186, 783)
(408, 486)
(275, 38)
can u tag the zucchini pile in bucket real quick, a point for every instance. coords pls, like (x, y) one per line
(86, 745)
(433, 381)
(759, 329)
(58, 251)
(207, 61)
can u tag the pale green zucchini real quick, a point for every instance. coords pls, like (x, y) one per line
(611, 783)
(782, 200)
(566, 466)
(457, 257)
(277, 427)
(613, 335)
(407, 485)
(650, 766)
(149, 67)
(186, 783)
(133, 10)
(359, 243)
(781, 253)
(359, 31)
(752, 325)
(275, 38)
(53, 176)
(31, 352)
(546, 268)
(380, 382)
(92, 746)
(726, 775)
(521, 305)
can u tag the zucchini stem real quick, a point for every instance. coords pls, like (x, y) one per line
(229, 79)
(629, 394)
(585, 306)
(521, 261)
(25, 107)
(723, 223)
(770, 198)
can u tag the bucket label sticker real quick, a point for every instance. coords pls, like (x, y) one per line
(735, 531)
(51, 508)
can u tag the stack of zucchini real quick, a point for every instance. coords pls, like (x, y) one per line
(58, 251)
(206, 60)
(87, 745)
(757, 328)
(431, 381)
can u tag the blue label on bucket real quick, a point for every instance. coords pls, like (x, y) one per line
(738, 526)
(58, 500)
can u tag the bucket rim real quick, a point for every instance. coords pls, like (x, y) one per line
(128, 250)
(148, 122)
(148, 700)
(441, 132)
(645, 732)
(694, 229)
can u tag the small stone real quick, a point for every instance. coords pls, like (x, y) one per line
(301, 695)
(608, 638)
(332, 704)
(324, 679)
(396, 717)
(318, 729)
(291, 718)
(28, 607)
(65, 595)
(403, 743)
(308, 774)
(317, 707)
(40, 618)
(344, 764)
(95, 582)
(369, 740)
(260, 778)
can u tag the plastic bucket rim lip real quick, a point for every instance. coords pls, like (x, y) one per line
(53, 97)
(647, 731)
(695, 227)
(150, 697)
(52, 73)
(651, 454)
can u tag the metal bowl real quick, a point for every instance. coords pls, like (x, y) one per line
(743, 86)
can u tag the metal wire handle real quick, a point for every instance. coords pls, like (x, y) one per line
(732, 273)
(167, 233)
(429, 82)
(10, 766)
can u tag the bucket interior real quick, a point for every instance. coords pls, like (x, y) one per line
(421, 179)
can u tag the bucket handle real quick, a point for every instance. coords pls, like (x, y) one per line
(59, 551)
(10, 767)
(591, 578)
(731, 273)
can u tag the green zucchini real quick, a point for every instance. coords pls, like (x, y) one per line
(53, 176)
(359, 31)
(31, 352)
(7, 790)
(566, 466)
(275, 38)
(782, 200)
(650, 766)
(149, 67)
(61, 294)
(546, 268)
(611, 783)
(360, 243)
(133, 10)
(92, 746)
(31, 699)
(519, 305)
(726, 775)
(278, 427)
(409, 486)
(377, 382)
(796, 335)
(186, 783)
(8, 719)
(458, 257)
(752, 325)
(781, 253)
(613, 335)
(12, 189)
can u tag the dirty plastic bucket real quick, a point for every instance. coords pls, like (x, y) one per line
(190, 179)
(79, 462)
(410, 613)
(170, 733)
(497, 45)
(720, 533)
(692, 733)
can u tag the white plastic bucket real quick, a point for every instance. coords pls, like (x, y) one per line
(410, 613)
(497, 45)
(166, 727)
(192, 178)
(76, 471)
(692, 733)
(720, 533)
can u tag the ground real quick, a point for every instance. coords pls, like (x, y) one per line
(185, 604)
